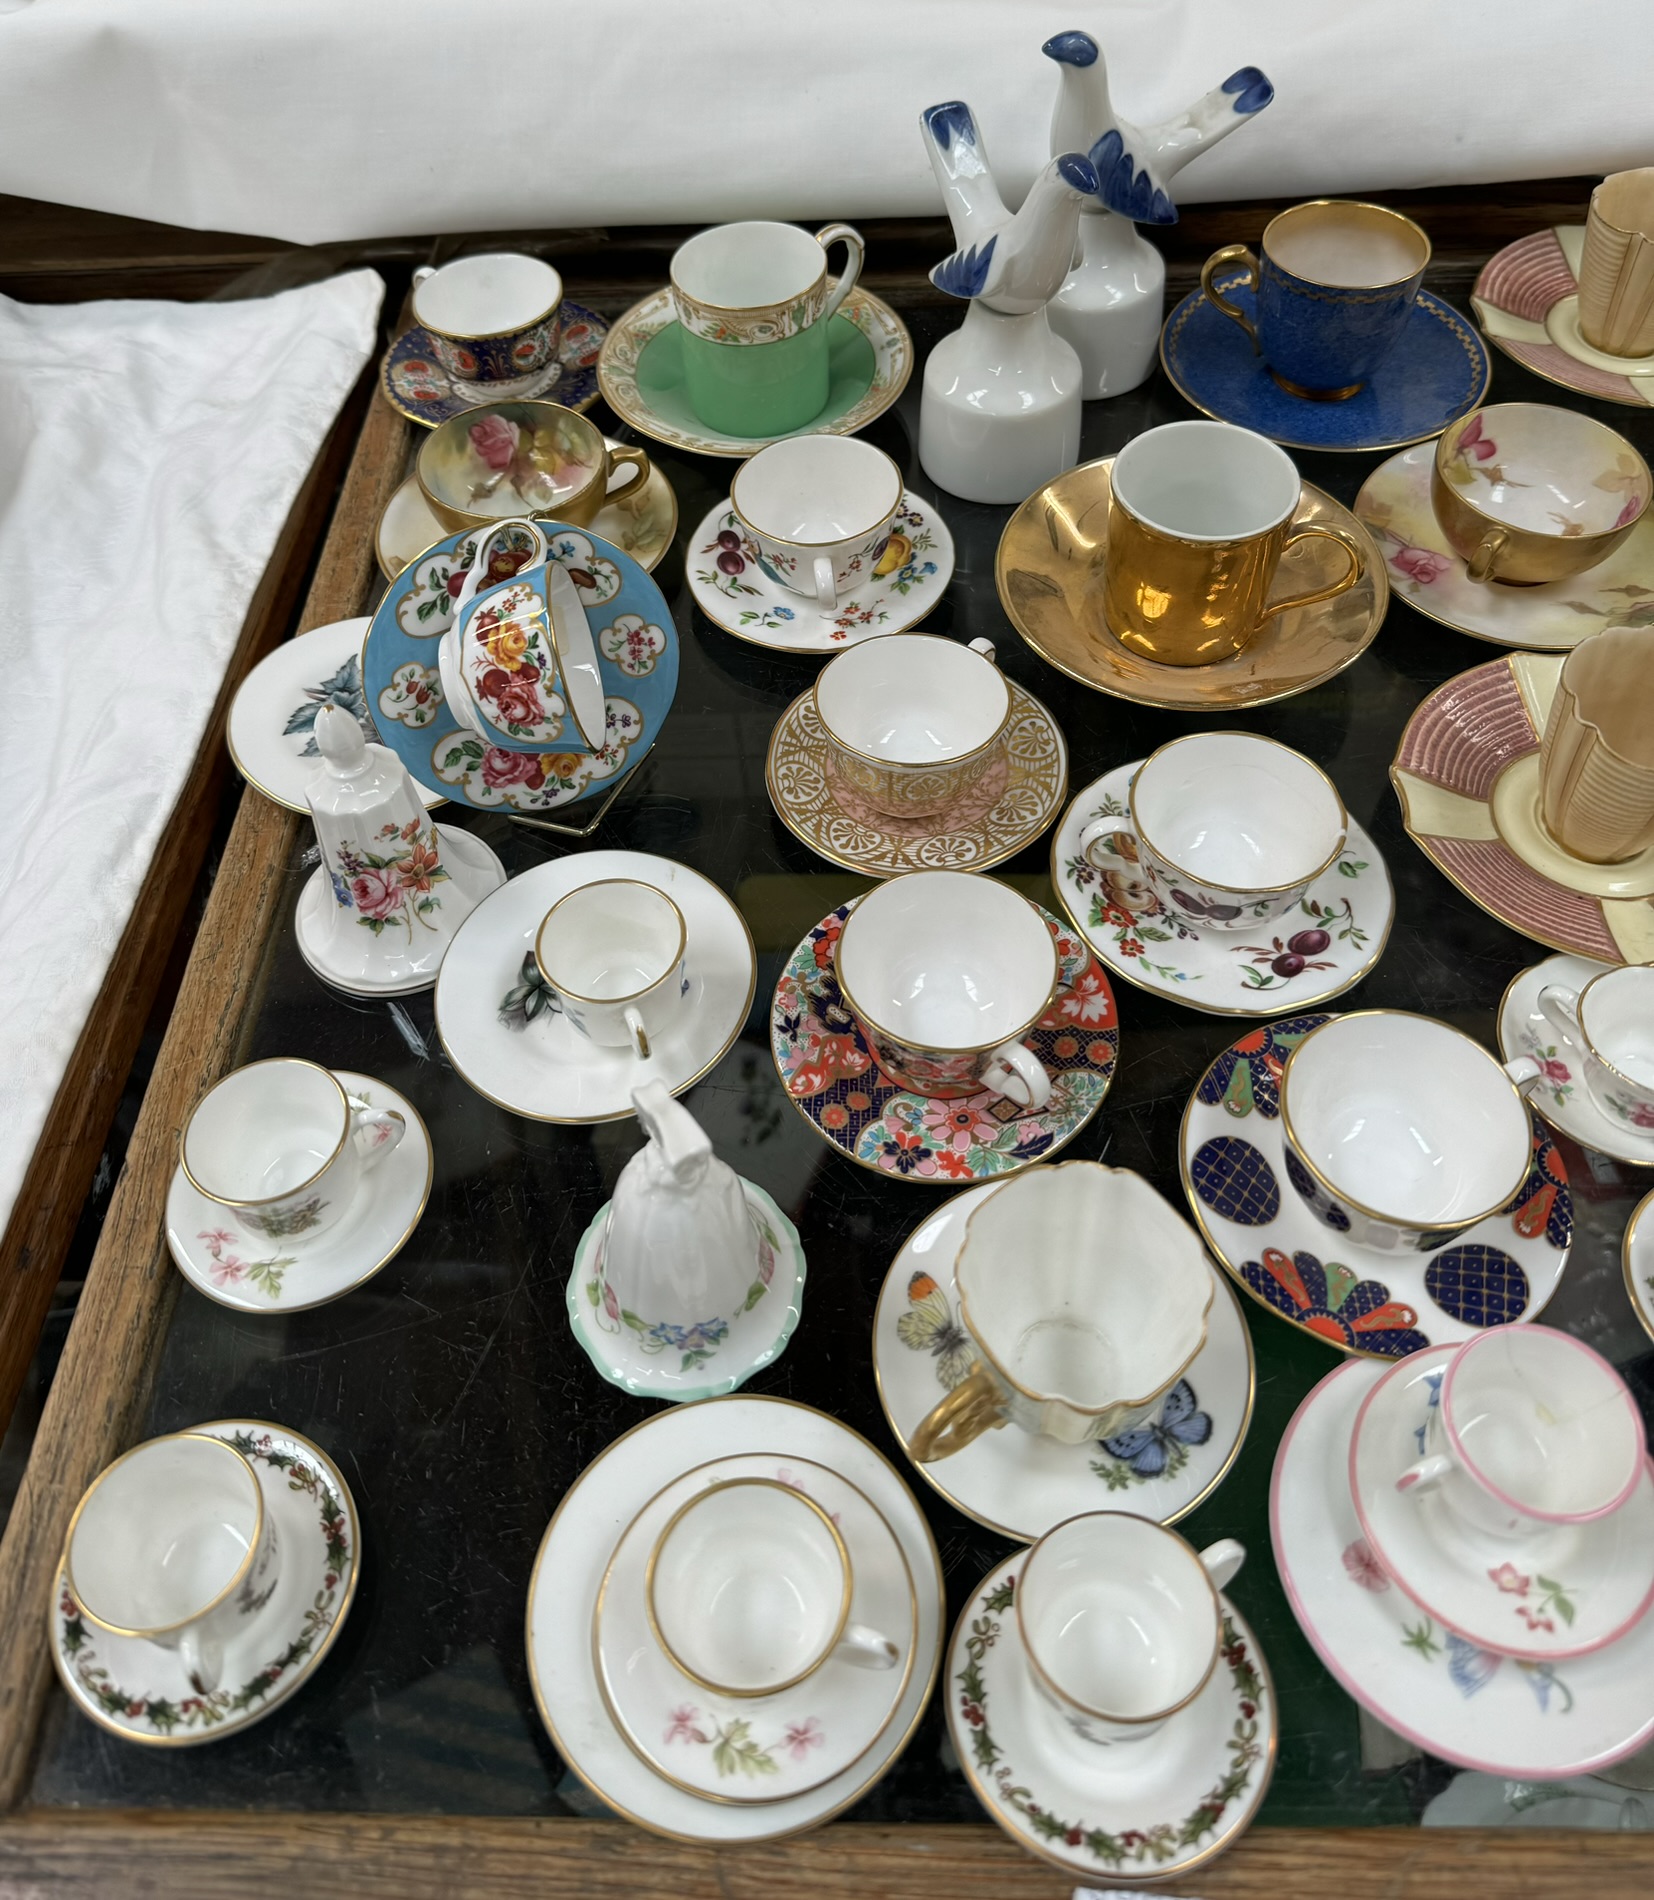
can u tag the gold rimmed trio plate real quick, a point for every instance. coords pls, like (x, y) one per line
(1050, 567)
(1527, 302)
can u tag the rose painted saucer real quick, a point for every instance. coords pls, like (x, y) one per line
(1152, 1810)
(1437, 372)
(415, 384)
(506, 1034)
(139, 1691)
(1317, 951)
(1637, 1257)
(1007, 808)
(738, 590)
(1394, 508)
(1382, 1305)
(1527, 301)
(562, 1600)
(663, 1361)
(1566, 1591)
(754, 1749)
(1021, 1484)
(833, 1079)
(1561, 1094)
(1050, 567)
(640, 371)
(637, 647)
(271, 729)
(1467, 775)
(1537, 1721)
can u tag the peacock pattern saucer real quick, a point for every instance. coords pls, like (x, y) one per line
(416, 385)
(1527, 301)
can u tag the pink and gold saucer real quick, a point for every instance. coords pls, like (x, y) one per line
(1527, 301)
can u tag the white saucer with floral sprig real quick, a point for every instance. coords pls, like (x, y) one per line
(1325, 945)
(736, 589)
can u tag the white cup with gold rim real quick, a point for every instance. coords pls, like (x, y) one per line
(614, 951)
(1612, 1021)
(820, 509)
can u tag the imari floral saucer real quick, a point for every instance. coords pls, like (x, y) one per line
(1437, 372)
(568, 1571)
(737, 589)
(640, 371)
(139, 1691)
(1380, 1305)
(758, 1749)
(1020, 1484)
(832, 1078)
(637, 647)
(1007, 808)
(415, 384)
(1560, 1095)
(1637, 1256)
(1050, 568)
(1317, 951)
(213, 1255)
(506, 1034)
(1394, 508)
(271, 730)
(1154, 1810)
(1538, 1721)
(1527, 301)
(661, 1361)
(1467, 775)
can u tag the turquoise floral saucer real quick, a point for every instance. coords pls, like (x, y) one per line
(416, 385)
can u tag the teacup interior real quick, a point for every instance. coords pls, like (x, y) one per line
(1351, 246)
(265, 1131)
(484, 295)
(1237, 811)
(510, 457)
(1617, 1014)
(912, 699)
(163, 1532)
(1206, 481)
(817, 489)
(1407, 1118)
(610, 940)
(1546, 470)
(745, 266)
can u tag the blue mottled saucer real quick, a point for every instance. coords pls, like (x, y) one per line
(1435, 374)
(416, 385)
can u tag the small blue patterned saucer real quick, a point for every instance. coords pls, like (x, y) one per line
(1435, 374)
(415, 384)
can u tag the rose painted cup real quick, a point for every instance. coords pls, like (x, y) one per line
(282, 1148)
(820, 510)
(1611, 1020)
(614, 952)
(492, 318)
(523, 458)
(1596, 755)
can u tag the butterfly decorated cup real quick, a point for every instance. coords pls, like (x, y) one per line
(1069, 1336)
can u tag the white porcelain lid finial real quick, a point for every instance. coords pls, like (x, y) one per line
(339, 740)
(681, 1142)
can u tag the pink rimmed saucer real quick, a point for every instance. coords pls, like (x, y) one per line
(1527, 301)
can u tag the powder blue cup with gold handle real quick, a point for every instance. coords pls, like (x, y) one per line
(1333, 286)
(754, 304)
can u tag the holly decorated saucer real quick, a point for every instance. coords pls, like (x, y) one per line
(1534, 1721)
(505, 1032)
(140, 1692)
(738, 590)
(1153, 1810)
(416, 385)
(1527, 301)
(1467, 775)
(1323, 947)
(833, 1079)
(640, 371)
(562, 1601)
(1007, 808)
(1637, 1257)
(662, 1361)
(1380, 1305)
(1021, 1484)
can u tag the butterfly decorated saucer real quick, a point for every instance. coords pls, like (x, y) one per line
(827, 1066)
(1152, 1810)
(738, 590)
(271, 729)
(568, 1571)
(1317, 951)
(1381, 1305)
(754, 1749)
(140, 1692)
(1536, 1721)
(1527, 301)
(1637, 1258)
(640, 371)
(1019, 1483)
(1007, 808)
(505, 1032)
(416, 385)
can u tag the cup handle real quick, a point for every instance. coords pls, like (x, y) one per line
(1481, 564)
(424, 271)
(375, 1131)
(1017, 1073)
(1523, 1072)
(986, 648)
(851, 239)
(866, 1648)
(640, 1035)
(1219, 260)
(1559, 1005)
(1100, 829)
(625, 457)
(1223, 1560)
(1313, 531)
(473, 574)
(826, 585)
(964, 1414)
(203, 1660)
(1426, 1474)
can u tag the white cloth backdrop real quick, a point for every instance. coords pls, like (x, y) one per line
(317, 120)
(149, 454)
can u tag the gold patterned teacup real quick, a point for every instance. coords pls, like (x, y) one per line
(1596, 758)
(513, 459)
(1201, 515)
(1616, 269)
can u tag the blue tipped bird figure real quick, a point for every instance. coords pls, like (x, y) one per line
(1134, 168)
(1010, 263)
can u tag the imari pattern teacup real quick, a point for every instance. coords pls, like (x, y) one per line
(492, 318)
